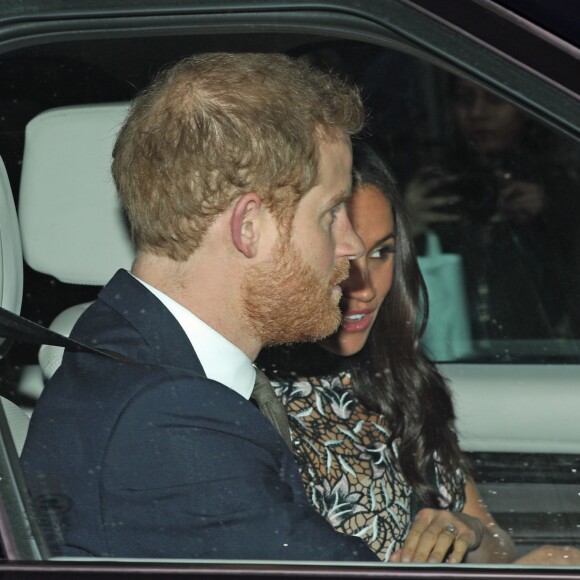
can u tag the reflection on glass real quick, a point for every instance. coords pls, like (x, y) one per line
(503, 195)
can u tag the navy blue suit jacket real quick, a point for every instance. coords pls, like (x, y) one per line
(155, 460)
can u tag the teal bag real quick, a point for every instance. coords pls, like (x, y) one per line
(448, 333)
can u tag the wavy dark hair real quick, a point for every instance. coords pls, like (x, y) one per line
(411, 393)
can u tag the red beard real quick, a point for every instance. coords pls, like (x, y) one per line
(285, 301)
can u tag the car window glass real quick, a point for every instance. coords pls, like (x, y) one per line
(493, 198)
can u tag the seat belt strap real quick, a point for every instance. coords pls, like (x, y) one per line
(15, 327)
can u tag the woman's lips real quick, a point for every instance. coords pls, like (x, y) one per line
(357, 321)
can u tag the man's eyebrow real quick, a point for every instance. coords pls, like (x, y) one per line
(340, 197)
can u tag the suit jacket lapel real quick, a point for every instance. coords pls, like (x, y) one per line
(152, 320)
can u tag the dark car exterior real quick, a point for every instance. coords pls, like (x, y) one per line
(56, 53)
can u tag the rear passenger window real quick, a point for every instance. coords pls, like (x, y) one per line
(499, 190)
(493, 194)
(494, 198)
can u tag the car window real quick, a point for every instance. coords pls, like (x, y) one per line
(493, 196)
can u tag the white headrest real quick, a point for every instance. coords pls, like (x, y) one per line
(10, 249)
(71, 220)
(50, 356)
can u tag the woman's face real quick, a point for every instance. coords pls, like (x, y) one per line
(491, 124)
(370, 276)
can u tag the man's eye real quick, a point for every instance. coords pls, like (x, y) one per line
(335, 211)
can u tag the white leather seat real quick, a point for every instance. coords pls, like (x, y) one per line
(10, 291)
(72, 223)
(10, 250)
(49, 356)
(71, 220)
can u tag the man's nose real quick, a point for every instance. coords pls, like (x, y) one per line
(349, 245)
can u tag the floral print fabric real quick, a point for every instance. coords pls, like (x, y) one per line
(350, 473)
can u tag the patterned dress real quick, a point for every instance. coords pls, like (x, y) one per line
(351, 476)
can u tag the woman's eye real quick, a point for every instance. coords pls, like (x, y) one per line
(383, 253)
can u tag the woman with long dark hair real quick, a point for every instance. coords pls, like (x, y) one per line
(373, 427)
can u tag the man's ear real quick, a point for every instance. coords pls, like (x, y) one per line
(245, 223)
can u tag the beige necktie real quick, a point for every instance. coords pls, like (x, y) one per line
(270, 406)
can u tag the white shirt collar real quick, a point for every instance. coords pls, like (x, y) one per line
(221, 360)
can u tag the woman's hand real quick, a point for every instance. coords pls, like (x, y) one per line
(441, 536)
(519, 201)
(424, 204)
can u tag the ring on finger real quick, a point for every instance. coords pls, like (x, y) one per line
(451, 529)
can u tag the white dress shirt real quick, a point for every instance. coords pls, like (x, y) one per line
(221, 360)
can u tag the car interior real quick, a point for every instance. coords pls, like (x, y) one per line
(63, 235)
